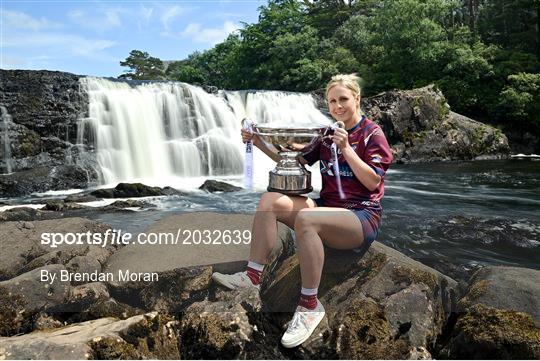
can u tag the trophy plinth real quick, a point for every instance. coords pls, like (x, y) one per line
(289, 176)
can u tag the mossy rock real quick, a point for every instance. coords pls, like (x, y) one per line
(488, 333)
(366, 333)
(113, 349)
(29, 144)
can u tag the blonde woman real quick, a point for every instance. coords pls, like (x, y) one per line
(350, 223)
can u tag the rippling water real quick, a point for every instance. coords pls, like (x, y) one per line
(451, 216)
(458, 216)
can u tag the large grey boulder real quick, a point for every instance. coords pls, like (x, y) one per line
(499, 316)
(505, 288)
(420, 127)
(379, 305)
(143, 336)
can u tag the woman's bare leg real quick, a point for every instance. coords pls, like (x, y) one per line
(273, 207)
(336, 227)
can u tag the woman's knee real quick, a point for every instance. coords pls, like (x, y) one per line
(273, 201)
(305, 220)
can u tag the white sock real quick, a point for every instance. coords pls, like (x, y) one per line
(256, 266)
(309, 291)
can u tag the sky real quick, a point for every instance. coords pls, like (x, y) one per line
(92, 37)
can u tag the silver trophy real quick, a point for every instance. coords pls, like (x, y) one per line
(290, 177)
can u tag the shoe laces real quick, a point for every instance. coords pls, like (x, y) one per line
(299, 319)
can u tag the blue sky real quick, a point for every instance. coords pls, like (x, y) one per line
(92, 37)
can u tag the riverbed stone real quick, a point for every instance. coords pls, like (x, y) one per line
(22, 297)
(212, 186)
(132, 190)
(22, 249)
(143, 336)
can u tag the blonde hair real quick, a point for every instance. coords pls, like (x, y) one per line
(349, 81)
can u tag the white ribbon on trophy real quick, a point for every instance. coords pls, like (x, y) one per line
(335, 161)
(247, 124)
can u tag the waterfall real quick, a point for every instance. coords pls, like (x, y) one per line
(5, 121)
(176, 134)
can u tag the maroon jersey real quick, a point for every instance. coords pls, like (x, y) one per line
(368, 141)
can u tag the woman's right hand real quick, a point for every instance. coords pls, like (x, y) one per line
(249, 136)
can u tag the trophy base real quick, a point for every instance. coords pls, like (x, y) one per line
(290, 192)
(290, 184)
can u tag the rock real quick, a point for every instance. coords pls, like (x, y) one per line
(232, 327)
(44, 178)
(420, 127)
(129, 190)
(102, 308)
(171, 293)
(381, 305)
(217, 186)
(144, 336)
(46, 322)
(81, 198)
(488, 333)
(82, 296)
(130, 203)
(499, 316)
(22, 249)
(20, 214)
(25, 295)
(505, 288)
(59, 206)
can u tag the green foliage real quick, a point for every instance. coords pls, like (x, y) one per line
(186, 73)
(143, 66)
(520, 99)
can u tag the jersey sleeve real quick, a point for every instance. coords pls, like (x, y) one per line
(377, 153)
(311, 153)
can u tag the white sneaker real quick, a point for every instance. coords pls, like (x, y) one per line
(234, 281)
(303, 324)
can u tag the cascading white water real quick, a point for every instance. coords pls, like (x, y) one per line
(5, 121)
(172, 133)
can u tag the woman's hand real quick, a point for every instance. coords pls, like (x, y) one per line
(249, 136)
(341, 138)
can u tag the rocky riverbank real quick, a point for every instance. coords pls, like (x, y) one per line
(381, 304)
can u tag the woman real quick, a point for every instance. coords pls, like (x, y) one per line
(349, 222)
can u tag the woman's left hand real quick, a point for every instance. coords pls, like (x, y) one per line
(341, 138)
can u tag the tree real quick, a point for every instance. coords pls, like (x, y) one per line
(186, 73)
(520, 101)
(142, 66)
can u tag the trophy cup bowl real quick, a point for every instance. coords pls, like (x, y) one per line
(289, 176)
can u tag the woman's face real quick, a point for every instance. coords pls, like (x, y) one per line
(343, 105)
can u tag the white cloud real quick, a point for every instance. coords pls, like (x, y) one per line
(20, 20)
(59, 43)
(199, 34)
(103, 20)
(144, 15)
(169, 15)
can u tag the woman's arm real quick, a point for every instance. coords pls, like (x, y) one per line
(259, 143)
(363, 172)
